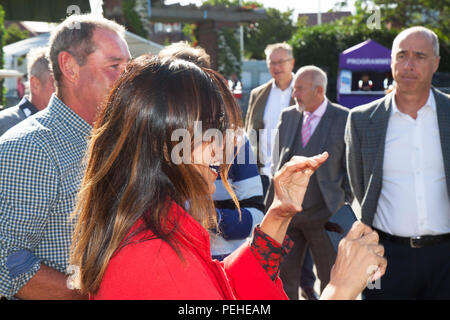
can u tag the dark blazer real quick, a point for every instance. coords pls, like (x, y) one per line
(365, 137)
(332, 175)
(13, 115)
(255, 113)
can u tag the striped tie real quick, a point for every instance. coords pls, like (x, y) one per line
(306, 128)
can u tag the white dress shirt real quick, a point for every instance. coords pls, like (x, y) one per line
(413, 199)
(277, 101)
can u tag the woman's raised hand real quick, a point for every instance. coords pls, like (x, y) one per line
(290, 184)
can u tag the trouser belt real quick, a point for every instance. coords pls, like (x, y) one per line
(415, 242)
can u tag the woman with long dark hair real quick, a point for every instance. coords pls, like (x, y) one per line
(145, 201)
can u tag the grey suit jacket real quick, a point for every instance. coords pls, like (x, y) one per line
(254, 117)
(13, 115)
(332, 175)
(365, 137)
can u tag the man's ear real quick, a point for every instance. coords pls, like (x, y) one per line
(292, 64)
(436, 66)
(68, 66)
(320, 91)
(35, 84)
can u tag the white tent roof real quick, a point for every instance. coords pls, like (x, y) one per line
(136, 44)
(139, 45)
(4, 73)
(22, 47)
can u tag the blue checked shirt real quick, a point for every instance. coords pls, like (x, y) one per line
(40, 173)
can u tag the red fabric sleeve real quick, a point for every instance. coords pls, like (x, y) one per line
(269, 252)
(248, 278)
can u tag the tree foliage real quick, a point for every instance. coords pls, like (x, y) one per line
(321, 45)
(277, 27)
(229, 59)
(229, 54)
(13, 34)
(401, 14)
(434, 14)
(132, 19)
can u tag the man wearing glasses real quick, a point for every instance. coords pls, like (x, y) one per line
(266, 103)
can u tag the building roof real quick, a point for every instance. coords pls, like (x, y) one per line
(192, 13)
(327, 17)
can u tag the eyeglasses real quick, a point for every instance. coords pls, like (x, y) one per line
(279, 62)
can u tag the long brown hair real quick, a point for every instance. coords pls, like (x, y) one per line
(129, 174)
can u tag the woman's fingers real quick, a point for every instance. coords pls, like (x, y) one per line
(314, 162)
(360, 259)
(370, 238)
(358, 230)
(302, 164)
(379, 269)
(378, 249)
(291, 181)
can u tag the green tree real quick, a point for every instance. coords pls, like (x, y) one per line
(14, 34)
(401, 14)
(229, 56)
(277, 27)
(321, 45)
(229, 59)
(132, 19)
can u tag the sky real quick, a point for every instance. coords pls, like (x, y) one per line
(299, 6)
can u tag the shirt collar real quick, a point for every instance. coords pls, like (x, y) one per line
(68, 115)
(431, 102)
(319, 112)
(27, 107)
(291, 84)
(321, 109)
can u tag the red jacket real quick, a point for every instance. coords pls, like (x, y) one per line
(151, 269)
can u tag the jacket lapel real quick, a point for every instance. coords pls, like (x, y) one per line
(375, 137)
(260, 106)
(443, 115)
(293, 131)
(323, 128)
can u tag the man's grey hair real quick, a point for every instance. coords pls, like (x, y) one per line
(418, 29)
(318, 76)
(275, 46)
(74, 35)
(38, 64)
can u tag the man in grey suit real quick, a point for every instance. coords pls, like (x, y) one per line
(266, 103)
(41, 88)
(310, 127)
(398, 156)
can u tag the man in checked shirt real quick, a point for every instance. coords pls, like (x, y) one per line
(41, 160)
